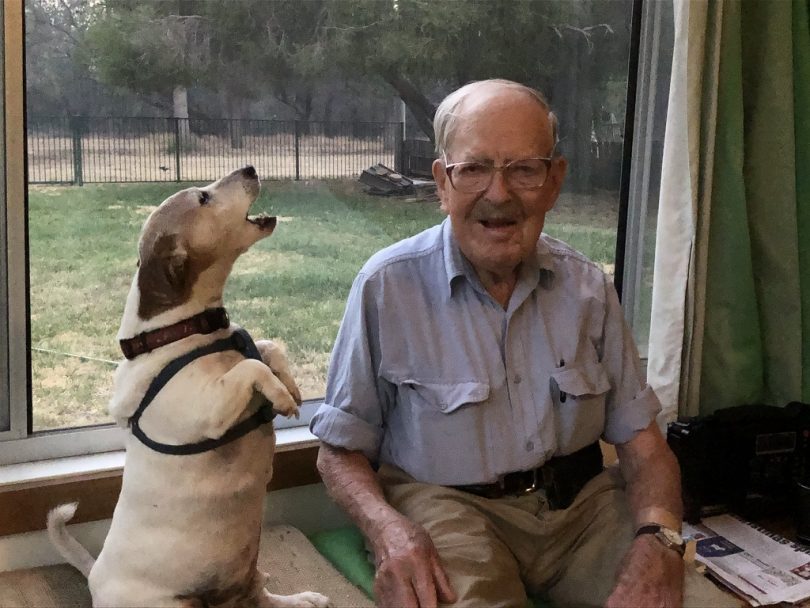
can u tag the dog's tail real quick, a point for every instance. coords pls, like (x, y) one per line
(75, 554)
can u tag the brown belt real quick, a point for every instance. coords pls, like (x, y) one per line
(562, 478)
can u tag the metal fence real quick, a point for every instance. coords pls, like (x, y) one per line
(86, 149)
(417, 157)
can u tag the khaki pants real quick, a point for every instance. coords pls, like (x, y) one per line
(495, 549)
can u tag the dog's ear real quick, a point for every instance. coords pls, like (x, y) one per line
(163, 276)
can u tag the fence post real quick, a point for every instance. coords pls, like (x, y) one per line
(297, 152)
(177, 149)
(76, 134)
(399, 148)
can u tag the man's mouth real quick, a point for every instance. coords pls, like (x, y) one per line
(498, 223)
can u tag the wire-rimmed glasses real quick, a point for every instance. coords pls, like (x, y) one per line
(521, 174)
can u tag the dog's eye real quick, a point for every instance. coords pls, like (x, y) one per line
(204, 197)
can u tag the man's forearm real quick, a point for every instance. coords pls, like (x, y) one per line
(650, 574)
(353, 485)
(653, 479)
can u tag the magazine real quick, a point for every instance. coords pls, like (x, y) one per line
(763, 567)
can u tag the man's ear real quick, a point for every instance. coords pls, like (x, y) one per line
(163, 276)
(554, 182)
(441, 179)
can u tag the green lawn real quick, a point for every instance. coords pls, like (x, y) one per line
(291, 286)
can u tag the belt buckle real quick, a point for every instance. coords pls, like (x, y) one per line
(534, 485)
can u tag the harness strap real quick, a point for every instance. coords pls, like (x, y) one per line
(240, 341)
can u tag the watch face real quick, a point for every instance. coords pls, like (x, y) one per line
(672, 536)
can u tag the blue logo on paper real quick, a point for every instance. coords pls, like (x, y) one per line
(716, 546)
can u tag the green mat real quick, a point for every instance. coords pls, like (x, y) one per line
(346, 550)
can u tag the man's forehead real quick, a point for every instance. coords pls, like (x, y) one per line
(501, 118)
(494, 98)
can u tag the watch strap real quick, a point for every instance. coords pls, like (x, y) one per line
(657, 531)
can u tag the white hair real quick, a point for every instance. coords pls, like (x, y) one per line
(446, 118)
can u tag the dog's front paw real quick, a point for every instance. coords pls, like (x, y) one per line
(288, 382)
(274, 354)
(287, 407)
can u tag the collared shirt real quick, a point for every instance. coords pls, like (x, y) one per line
(431, 374)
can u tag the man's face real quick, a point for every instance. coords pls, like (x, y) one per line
(498, 228)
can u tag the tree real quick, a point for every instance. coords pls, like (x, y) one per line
(149, 47)
(244, 48)
(55, 81)
(569, 50)
(419, 49)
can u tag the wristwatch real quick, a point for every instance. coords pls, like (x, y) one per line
(666, 536)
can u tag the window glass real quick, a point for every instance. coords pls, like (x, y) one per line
(652, 98)
(331, 102)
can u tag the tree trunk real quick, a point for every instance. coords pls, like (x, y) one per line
(303, 106)
(180, 105)
(419, 105)
(233, 112)
(584, 116)
(572, 99)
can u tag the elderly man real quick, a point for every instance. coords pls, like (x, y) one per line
(476, 368)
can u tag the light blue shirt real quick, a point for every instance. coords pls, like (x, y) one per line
(430, 374)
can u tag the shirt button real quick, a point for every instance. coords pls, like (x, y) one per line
(529, 446)
(518, 379)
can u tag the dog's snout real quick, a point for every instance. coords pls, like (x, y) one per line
(249, 172)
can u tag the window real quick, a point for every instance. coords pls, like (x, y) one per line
(655, 63)
(129, 102)
(13, 327)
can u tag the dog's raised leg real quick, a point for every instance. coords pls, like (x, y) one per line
(275, 356)
(234, 390)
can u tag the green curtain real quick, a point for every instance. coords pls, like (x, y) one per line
(756, 333)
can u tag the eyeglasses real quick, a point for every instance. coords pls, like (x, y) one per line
(521, 174)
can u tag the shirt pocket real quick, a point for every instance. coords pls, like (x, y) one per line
(442, 397)
(435, 431)
(578, 392)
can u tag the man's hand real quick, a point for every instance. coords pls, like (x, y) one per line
(408, 569)
(409, 574)
(650, 575)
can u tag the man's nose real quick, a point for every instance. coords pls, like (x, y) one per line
(498, 190)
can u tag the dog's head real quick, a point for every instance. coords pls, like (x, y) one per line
(193, 231)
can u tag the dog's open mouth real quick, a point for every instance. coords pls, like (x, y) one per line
(263, 221)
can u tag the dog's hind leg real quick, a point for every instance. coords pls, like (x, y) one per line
(305, 599)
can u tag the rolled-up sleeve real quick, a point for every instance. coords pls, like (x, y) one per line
(351, 416)
(632, 404)
(624, 422)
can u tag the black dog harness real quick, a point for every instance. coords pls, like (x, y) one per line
(241, 341)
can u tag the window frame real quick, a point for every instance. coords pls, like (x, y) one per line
(637, 171)
(19, 444)
(15, 329)
(5, 409)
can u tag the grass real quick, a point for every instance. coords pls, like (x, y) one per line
(292, 286)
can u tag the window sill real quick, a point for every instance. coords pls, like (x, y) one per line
(29, 490)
